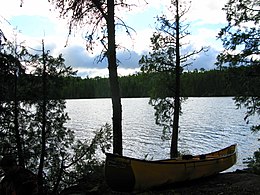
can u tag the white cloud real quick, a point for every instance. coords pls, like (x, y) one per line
(207, 12)
(139, 42)
(205, 37)
(202, 14)
(92, 72)
(142, 40)
(127, 71)
(205, 17)
(205, 60)
(96, 72)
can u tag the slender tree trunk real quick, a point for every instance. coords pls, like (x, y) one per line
(113, 79)
(16, 123)
(43, 139)
(174, 142)
(59, 177)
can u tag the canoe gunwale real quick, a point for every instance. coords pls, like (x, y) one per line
(181, 161)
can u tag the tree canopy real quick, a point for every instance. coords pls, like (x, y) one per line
(241, 36)
(100, 16)
(33, 129)
(241, 48)
(168, 59)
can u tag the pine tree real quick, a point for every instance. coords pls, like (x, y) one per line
(240, 40)
(168, 61)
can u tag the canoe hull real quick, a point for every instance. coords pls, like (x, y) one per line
(129, 174)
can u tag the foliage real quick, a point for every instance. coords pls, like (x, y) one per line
(169, 59)
(248, 90)
(12, 56)
(241, 48)
(99, 17)
(254, 162)
(241, 36)
(60, 166)
(82, 162)
(92, 14)
(252, 104)
(241, 42)
(194, 84)
(65, 159)
(213, 83)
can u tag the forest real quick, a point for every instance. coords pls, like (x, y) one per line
(194, 84)
(216, 83)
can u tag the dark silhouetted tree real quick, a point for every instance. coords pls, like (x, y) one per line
(241, 43)
(11, 68)
(48, 146)
(99, 16)
(167, 59)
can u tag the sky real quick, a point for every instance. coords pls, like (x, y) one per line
(37, 20)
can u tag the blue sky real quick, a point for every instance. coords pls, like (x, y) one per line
(37, 20)
(33, 26)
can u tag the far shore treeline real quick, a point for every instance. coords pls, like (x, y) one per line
(227, 82)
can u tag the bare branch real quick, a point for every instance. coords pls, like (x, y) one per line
(127, 28)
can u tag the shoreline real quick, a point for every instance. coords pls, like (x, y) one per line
(239, 182)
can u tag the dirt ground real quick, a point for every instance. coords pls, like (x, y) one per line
(233, 183)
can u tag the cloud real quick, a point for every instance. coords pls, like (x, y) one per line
(78, 57)
(92, 72)
(205, 60)
(207, 12)
(95, 72)
(202, 37)
(86, 65)
(129, 60)
(39, 20)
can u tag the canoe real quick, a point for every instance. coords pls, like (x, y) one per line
(130, 174)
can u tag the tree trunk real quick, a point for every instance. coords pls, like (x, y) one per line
(16, 123)
(113, 79)
(174, 142)
(43, 110)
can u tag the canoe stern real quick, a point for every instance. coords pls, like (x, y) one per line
(119, 174)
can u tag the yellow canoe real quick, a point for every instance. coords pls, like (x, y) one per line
(129, 174)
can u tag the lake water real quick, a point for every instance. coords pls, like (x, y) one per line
(206, 125)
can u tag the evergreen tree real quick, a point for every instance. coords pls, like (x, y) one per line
(100, 16)
(11, 69)
(46, 145)
(168, 62)
(241, 48)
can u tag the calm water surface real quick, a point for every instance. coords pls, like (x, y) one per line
(206, 125)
